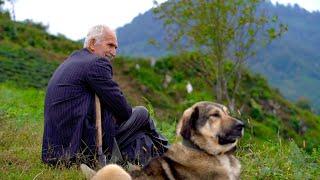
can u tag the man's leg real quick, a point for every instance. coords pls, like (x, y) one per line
(139, 121)
(138, 138)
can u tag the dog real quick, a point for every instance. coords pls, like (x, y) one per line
(209, 137)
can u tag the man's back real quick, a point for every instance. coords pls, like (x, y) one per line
(69, 105)
(67, 89)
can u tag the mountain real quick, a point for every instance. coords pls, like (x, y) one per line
(291, 63)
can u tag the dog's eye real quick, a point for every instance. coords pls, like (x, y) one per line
(217, 115)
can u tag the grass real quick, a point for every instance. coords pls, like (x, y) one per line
(277, 160)
(21, 122)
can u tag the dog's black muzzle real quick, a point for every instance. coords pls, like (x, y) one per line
(232, 135)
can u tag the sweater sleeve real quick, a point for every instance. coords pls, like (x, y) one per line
(99, 77)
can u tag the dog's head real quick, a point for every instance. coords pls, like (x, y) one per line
(209, 126)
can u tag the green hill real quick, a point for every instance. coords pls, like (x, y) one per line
(290, 64)
(24, 45)
(280, 138)
(264, 109)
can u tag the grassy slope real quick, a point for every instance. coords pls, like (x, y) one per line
(26, 54)
(266, 112)
(21, 120)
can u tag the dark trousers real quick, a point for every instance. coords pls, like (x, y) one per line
(138, 139)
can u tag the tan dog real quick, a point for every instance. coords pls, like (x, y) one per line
(209, 135)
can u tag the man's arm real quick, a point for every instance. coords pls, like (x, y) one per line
(99, 77)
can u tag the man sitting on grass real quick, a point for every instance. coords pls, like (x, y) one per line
(69, 110)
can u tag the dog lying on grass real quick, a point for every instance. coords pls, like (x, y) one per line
(209, 137)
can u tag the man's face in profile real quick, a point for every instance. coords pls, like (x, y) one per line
(106, 46)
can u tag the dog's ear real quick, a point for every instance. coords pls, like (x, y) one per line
(189, 123)
(185, 116)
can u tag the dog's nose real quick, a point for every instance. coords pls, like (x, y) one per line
(239, 126)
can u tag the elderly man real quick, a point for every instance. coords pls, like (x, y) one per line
(69, 129)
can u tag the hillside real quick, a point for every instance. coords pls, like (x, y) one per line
(280, 138)
(24, 45)
(268, 111)
(264, 109)
(291, 64)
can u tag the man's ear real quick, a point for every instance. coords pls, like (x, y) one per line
(189, 123)
(92, 42)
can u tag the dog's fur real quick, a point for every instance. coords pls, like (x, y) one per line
(209, 136)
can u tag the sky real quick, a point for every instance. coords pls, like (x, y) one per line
(73, 18)
(310, 5)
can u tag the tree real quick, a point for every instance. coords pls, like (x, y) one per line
(304, 103)
(1, 4)
(223, 31)
(12, 9)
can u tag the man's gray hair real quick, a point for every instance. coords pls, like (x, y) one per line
(96, 33)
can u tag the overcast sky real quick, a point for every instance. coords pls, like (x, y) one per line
(73, 18)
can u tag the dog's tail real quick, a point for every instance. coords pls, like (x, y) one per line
(112, 172)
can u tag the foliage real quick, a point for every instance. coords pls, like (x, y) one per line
(28, 54)
(28, 34)
(291, 63)
(222, 31)
(304, 103)
(25, 67)
(264, 109)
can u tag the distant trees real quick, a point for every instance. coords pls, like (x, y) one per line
(222, 30)
(13, 13)
(304, 103)
(12, 2)
(1, 4)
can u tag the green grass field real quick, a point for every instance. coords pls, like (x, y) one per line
(21, 122)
